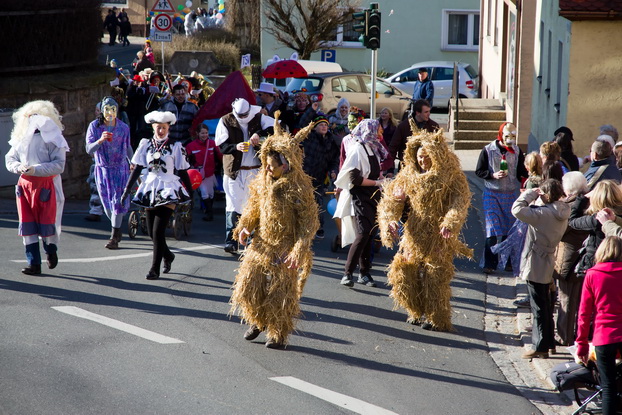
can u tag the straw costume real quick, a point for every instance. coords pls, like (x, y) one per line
(430, 200)
(284, 217)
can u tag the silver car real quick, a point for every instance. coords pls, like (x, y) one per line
(329, 88)
(441, 74)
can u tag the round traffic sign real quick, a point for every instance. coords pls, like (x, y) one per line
(163, 22)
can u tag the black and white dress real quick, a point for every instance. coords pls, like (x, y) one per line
(161, 186)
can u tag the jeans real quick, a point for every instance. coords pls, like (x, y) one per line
(542, 334)
(606, 363)
(231, 222)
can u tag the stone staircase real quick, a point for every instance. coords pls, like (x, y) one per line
(476, 123)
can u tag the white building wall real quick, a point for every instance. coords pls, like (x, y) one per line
(551, 69)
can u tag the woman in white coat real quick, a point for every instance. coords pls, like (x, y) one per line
(360, 179)
(547, 220)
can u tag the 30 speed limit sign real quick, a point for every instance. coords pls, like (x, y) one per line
(163, 22)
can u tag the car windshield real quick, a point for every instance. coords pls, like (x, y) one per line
(472, 72)
(304, 84)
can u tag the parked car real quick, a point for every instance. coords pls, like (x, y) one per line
(441, 74)
(329, 88)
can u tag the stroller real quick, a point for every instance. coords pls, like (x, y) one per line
(181, 221)
(585, 383)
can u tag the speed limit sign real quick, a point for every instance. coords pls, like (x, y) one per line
(163, 22)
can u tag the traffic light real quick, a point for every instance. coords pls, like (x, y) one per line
(360, 25)
(373, 28)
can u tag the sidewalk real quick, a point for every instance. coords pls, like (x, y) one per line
(506, 326)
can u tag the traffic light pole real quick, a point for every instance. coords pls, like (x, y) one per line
(374, 71)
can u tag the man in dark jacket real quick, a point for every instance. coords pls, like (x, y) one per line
(421, 109)
(601, 167)
(321, 158)
(184, 110)
(110, 24)
(424, 88)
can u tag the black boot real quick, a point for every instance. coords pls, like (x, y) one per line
(209, 212)
(115, 238)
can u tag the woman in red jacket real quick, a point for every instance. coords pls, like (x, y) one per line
(602, 297)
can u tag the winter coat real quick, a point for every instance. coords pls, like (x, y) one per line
(567, 253)
(602, 297)
(596, 235)
(547, 224)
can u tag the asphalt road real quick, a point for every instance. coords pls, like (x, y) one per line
(351, 354)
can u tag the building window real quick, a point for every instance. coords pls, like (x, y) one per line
(345, 36)
(460, 30)
(114, 3)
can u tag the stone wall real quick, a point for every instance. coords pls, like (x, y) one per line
(75, 95)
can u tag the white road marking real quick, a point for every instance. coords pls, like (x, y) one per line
(128, 256)
(344, 401)
(116, 324)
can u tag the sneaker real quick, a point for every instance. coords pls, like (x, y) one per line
(319, 234)
(230, 248)
(252, 333)
(366, 280)
(347, 280)
(523, 302)
(52, 260)
(273, 344)
(532, 354)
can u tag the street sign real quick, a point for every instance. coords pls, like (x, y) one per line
(163, 22)
(329, 55)
(163, 6)
(159, 36)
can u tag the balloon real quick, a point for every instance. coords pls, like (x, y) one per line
(189, 3)
(222, 10)
(151, 13)
(219, 16)
(178, 19)
(176, 15)
(180, 7)
(221, 6)
(331, 207)
(148, 18)
(221, 1)
(195, 178)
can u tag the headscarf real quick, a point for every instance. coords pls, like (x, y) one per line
(367, 133)
(242, 107)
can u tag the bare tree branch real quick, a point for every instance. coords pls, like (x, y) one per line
(303, 25)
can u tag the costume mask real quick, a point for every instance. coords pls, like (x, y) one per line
(352, 121)
(509, 135)
(110, 112)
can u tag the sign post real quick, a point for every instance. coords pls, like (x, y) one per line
(162, 23)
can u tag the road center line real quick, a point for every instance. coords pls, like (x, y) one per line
(127, 256)
(344, 401)
(116, 324)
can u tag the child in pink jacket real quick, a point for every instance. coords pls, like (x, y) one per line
(204, 156)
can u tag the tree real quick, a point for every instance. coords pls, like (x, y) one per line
(303, 25)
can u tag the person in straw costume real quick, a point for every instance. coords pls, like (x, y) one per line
(431, 196)
(282, 217)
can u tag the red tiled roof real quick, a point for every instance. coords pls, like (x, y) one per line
(598, 6)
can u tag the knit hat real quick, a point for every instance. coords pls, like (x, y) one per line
(319, 119)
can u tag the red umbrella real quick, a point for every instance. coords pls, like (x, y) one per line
(284, 69)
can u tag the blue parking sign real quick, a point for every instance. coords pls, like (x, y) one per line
(329, 55)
